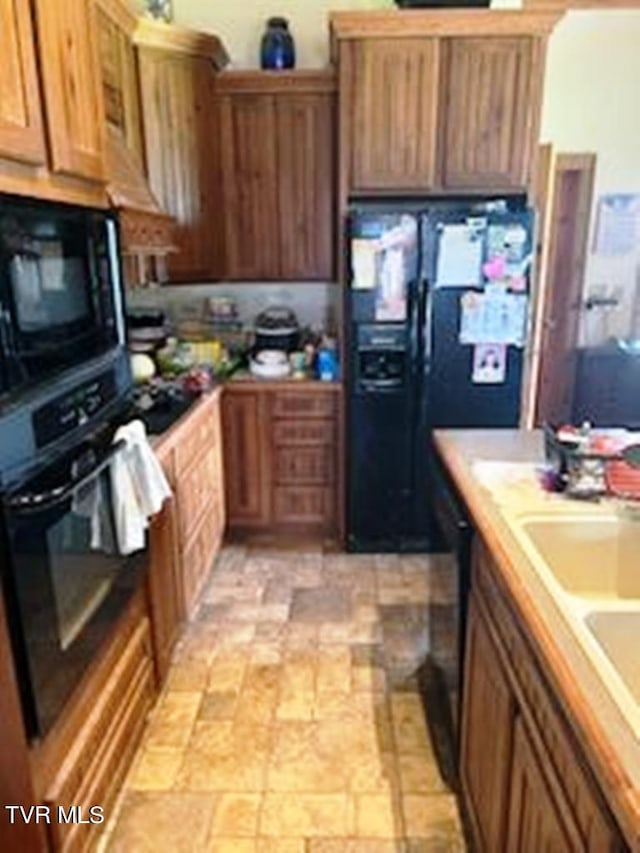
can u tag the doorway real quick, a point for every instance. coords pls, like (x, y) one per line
(569, 218)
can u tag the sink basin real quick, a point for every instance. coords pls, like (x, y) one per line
(618, 634)
(589, 557)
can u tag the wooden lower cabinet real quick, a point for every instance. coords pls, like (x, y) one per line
(487, 726)
(188, 534)
(537, 821)
(526, 783)
(280, 454)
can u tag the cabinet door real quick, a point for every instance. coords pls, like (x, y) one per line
(21, 130)
(537, 822)
(245, 424)
(487, 728)
(75, 111)
(164, 594)
(305, 180)
(249, 181)
(179, 130)
(395, 103)
(491, 111)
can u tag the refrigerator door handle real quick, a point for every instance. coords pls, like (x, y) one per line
(423, 318)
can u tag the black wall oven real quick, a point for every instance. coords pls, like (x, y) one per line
(60, 296)
(65, 581)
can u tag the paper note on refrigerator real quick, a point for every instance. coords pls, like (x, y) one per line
(493, 317)
(363, 264)
(459, 257)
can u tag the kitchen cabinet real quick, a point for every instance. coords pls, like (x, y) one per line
(395, 112)
(277, 162)
(164, 588)
(51, 110)
(526, 783)
(281, 458)
(485, 761)
(245, 457)
(176, 72)
(70, 79)
(189, 533)
(84, 759)
(439, 102)
(536, 820)
(490, 113)
(21, 125)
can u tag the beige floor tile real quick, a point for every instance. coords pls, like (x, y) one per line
(157, 822)
(156, 769)
(294, 705)
(281, 845)
(226, 673)
(173, 719)
(369, 678)
(419, 774)
(375, 816)
(409, 724)
(231, 845)
(304, 760)
(433, 817)
(236, 815)
(302, 815)
(190, 675)
(218, 705)
(334, 669)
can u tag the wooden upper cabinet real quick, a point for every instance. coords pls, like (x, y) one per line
(277, 163)
(395, 113)
(490, 112)
(306, 146)
(21, 127)
(176, 70)
(250, 186)
(73, 96)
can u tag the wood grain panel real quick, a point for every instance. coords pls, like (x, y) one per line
(249, 182)
(21, 129)
(244, 420)
(180, 146)
(485, 761)
(164, 587)
(67, 41)
(304, 505)
(305, 142)
(538, 823)
(310, 405)
(304, 465)
(489, 112)
(306, 432)
(395, 104)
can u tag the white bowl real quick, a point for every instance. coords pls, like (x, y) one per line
(271, 357)
(269, 371)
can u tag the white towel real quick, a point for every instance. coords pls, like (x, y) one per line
(138, 486)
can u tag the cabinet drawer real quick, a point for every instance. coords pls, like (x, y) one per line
(313, 505)
(195, 489)
(314, 404)
(312, 465)
(200, 434)
(303, 432)
(97, 764)
(540, 710)
(198, 557)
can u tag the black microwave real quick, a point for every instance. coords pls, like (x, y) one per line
(61, 300)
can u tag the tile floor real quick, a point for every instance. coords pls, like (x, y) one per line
(292, 719)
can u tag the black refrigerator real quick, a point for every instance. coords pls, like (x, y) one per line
(437, 319)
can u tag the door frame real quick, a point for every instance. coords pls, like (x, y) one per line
(586, 163)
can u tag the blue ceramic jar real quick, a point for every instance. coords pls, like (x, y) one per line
(277, 50)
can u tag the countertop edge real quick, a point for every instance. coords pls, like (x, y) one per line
(622, 797)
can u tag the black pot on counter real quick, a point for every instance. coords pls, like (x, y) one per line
(276, 328)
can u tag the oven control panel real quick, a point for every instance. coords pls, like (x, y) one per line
(73, 409)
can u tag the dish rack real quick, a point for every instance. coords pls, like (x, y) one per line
(589, 474)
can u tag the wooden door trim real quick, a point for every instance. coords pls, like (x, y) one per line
(565, 162)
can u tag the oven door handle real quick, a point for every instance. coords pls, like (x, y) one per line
(31, 503)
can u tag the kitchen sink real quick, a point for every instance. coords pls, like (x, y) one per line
(618, 635)
(589, 557)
